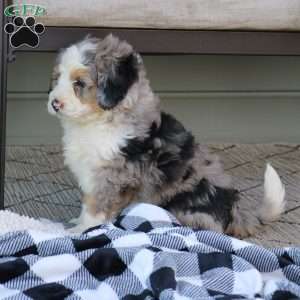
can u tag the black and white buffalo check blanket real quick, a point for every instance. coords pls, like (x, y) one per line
(144, 254)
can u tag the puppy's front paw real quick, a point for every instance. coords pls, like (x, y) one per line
(78, 229)
(75, 221)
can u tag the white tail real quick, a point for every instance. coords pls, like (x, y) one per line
(274, 192)
(249, 216)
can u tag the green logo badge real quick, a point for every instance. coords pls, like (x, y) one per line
(24, 10)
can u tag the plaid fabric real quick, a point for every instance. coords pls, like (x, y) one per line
(144, 254)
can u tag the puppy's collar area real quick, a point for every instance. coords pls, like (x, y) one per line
(139, 146)
(169, 132)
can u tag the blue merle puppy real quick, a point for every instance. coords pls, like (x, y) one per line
(123, 149)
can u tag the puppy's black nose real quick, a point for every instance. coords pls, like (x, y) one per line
(56, 105)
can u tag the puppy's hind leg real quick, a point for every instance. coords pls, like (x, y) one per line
(199, 220)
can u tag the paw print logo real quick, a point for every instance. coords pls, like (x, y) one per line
(24, 31)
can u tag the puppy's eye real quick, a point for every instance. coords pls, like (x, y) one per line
(79, 83)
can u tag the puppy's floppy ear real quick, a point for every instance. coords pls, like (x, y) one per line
(118, 81)
(118, 71)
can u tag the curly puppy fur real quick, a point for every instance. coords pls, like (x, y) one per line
(123, 149)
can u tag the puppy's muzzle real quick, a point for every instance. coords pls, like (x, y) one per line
(57, 105)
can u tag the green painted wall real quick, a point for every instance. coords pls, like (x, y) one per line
(220, 98)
